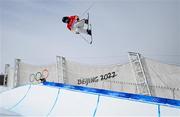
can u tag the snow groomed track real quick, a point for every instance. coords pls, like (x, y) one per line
(56, 99)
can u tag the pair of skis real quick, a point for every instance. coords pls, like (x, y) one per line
(89, 40)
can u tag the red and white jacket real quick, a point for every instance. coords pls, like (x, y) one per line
(72, 20)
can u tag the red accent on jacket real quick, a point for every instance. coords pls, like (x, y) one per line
(72, 20)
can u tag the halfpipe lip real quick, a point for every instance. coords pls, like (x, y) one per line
(128, 96)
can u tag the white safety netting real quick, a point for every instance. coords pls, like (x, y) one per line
(163, 79)
(111, 77)
(27, 73)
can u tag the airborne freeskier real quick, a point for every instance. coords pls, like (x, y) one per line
(77, 26)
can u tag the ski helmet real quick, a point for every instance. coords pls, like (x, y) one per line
(65, 19)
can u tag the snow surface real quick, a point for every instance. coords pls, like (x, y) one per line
(40, 100)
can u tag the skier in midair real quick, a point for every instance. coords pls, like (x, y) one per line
(76, 25)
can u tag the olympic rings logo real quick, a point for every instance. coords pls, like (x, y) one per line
(39, 76)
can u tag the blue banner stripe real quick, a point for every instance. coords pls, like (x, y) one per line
(129, 96)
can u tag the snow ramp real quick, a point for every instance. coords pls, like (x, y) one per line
(56, 99)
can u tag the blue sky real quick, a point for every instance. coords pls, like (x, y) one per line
(32, 30)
